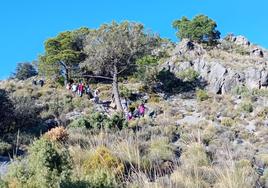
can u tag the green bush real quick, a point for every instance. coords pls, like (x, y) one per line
(202, 95)
(3, 184)
(246, 107)
(97, 120)
(147, 72)
(189, 75)
(125, 92)
(228, 122)
(5, 148)
(240, 90)
(103, 158)
(116, 121)
(102, 178)
(160, 149)
(47, 165)
(80, 123)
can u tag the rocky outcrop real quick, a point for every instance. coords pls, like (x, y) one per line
(239, 40)
(220, 76)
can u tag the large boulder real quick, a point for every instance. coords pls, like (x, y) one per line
(257, 52)
(240, 40)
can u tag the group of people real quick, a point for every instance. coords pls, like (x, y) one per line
(81, 88)
(132, 113)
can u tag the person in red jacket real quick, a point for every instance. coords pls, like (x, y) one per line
(80, 89)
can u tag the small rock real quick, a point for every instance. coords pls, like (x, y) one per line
(251, 128)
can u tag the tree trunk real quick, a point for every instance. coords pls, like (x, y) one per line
(66, 77)
(116, 91)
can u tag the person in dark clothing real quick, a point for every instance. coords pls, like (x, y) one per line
(41, 82)
(34, 82)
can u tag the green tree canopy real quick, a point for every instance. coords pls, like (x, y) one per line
(200, 29)
(25, 71)
(63, 53)
(113, 49)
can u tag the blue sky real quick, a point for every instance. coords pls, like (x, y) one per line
(26, 24)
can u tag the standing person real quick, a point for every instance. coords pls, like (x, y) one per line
(141, 110)
(80, 89)
(96, 96)
(34, 82)
(41, 82)
(74, 88)
(124, 103)
(88, 91)
(129, 115)
(68, 86)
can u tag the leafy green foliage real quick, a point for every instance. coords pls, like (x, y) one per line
(202, 95)
(47, 165)
(99, 120)
(228, 122)
(80, 123)
(147, 71)
(200, 29)
(118, 45)
(160, 149)
(189, 75)
(102, 158)
(5, 148)
(246, 107)
(102, 178)
(63, 53)
(113, 49)
(25, 71)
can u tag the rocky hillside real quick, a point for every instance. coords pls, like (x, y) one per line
(212, 135)
(234, 63)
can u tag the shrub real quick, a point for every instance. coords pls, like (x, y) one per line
(117, 121)
(240, 90)
(263, 158)
(246, 107)
(189, 75)
(57, 134)
(5, 148)
(25, 71)
(80, 123)
(182, 180)
(240, 175)
(160, 149)
(125, 92)
(102, 178)
(97, 119)
(201, 95)
(195, 156)
(147, 72)
(263, 113)
(103, 158)
(228, 122)
(47, 165)
(3, 184)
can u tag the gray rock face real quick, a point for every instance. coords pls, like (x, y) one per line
(220, 77)
(257, 52)
(240, 40)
